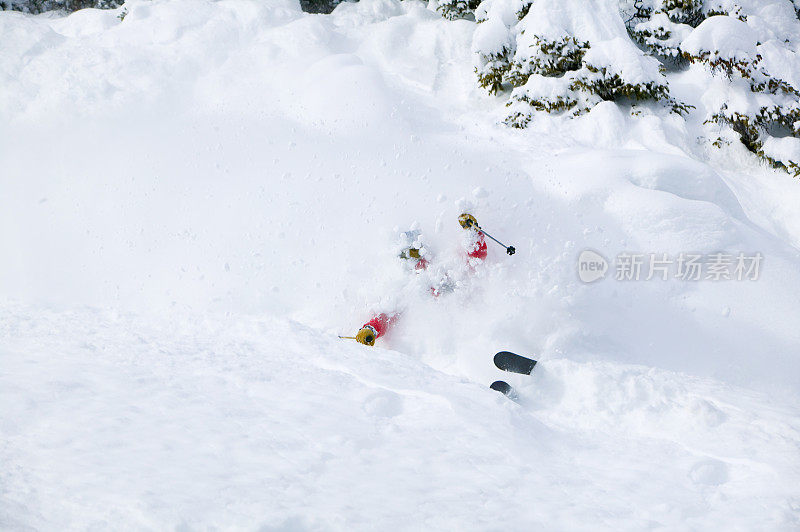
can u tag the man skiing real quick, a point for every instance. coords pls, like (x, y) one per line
(476, 251)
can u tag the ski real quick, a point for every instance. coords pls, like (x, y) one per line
(504, 388)
(508, 361)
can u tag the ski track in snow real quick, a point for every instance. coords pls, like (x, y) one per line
(197, 200)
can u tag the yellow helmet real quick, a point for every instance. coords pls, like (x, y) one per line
(366, 336)
(468, 221)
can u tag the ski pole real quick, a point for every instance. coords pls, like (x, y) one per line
(348, 337)
(467, 220)
(509, 249)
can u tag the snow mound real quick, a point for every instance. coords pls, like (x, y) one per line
(724, 36)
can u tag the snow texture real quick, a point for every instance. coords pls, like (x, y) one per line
(195, 201)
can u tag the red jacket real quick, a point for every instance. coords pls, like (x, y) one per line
(380, 323)
(479, 248)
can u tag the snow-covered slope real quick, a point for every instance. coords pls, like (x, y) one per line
(196, 199)
(258, 423)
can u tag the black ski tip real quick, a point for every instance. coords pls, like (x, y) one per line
(508, 361)
(502, 387)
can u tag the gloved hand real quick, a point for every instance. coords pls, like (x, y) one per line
(468, 221)
(410, 253)
(366, 336)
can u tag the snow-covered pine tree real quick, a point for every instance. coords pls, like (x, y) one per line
(756, 68)
(751, 45)
(562, 56)
(319, 6)
(40, 6)
(494, 41)
(457, 9)
(565, 56)
(659, 26)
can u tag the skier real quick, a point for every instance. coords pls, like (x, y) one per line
(476, 250)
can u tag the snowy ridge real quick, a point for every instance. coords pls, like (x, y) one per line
(199, 197)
